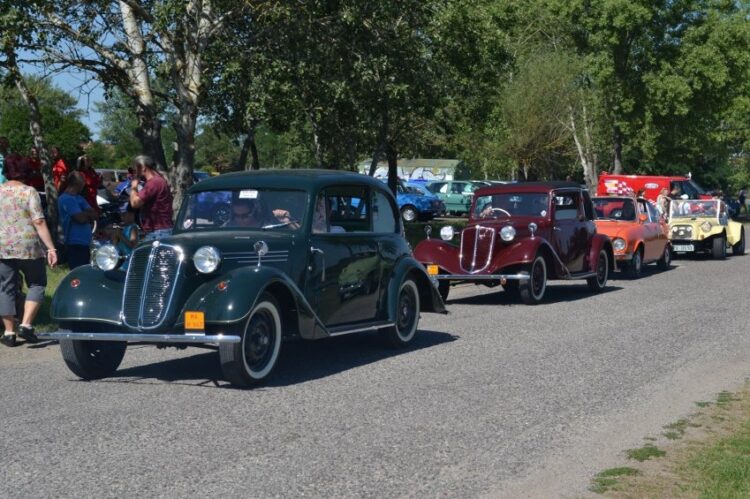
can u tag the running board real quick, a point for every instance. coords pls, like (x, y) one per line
(340, 331)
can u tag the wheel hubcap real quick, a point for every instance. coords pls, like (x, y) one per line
(406, 311)
(259, 340)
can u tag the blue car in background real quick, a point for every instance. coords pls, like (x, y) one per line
(415, 205)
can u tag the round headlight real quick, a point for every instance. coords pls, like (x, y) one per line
(207, 259)
(106, 257)
(619, 244)
(447, 233)
(507, 233)
(706, 226)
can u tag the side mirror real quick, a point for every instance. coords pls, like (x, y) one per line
(643, 218)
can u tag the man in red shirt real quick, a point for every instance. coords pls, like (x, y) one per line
(59, 168)
(154, 200)
(93, 180)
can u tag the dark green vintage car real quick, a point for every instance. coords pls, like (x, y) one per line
(301, 254)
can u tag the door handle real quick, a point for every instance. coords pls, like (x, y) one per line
(317, 251)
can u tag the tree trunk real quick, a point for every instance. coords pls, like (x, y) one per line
(249, 147)
(588, 162)
(36, 129)
(181, 173)
(617, 151)
(148, 133)
(392, 168)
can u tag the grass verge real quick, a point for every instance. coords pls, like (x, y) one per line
(710, 459)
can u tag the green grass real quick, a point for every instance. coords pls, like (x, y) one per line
(723, 470)
(43, 321)
(703, 404)
(605, 480)
(646, 452)
(725, 398)
(676, 429)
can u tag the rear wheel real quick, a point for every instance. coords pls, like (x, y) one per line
(92, 359)
(666, 259)
(251, 361)
(719, 249)
(407, 315)
(532, 290)
(409, 213)
(635, 268)
(739, 247)
(598, 282)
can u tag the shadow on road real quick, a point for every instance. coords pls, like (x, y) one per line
(554, 294)
(300, 361)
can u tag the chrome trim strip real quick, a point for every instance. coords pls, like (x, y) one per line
(139, 338)
(482, 277)
(478, 230)
(360, 329)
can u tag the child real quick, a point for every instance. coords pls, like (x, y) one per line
(125, 237)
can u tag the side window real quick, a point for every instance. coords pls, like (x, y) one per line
(643, 208)
(342, 209)
(444, 189)
(653, 213)
(687, 188)
(383, 218)
(457, 187)
(566, 205)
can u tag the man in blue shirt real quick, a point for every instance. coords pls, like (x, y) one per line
(76, 216)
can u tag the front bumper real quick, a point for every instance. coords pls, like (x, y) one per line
(141, 338)
(480, 277)
(699, 246)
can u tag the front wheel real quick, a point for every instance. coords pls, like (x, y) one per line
(739, 247)
(407, 315)
(719, 249)
(532, 290)
(598, 282)
(635, 268)
(251, 361)
(666, 259)
(444, 288)
(93, 359)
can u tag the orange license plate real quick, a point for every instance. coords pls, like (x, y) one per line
(433, 270)
(195, 320)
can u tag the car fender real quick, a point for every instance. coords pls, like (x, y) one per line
(241, 289)
(734, 232)
(429, 298)
(440, 253)
(90, 294)
(599, 242)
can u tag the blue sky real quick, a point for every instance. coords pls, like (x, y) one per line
(78, 84)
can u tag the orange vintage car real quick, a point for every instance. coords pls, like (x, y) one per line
(638, 232)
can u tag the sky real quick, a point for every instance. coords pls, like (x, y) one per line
(79, 85)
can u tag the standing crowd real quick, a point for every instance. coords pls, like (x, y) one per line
(27, 245)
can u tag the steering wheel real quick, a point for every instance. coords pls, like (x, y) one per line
(493, 210)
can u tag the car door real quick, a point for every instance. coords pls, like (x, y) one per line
(570, 233)
(344, 270)
(651, 233)
(457, 193)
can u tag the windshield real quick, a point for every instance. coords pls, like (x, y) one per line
(692, 208)
(243, 209)
(507, 205)
(614, 209)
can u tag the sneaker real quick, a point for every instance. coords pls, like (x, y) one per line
(9, 340)
(27, 333)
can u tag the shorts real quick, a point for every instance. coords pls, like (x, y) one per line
(35, 274)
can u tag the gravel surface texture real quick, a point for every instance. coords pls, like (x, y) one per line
(497, 399)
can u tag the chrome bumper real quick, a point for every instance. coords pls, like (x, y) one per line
(140, 338)
(481, 277)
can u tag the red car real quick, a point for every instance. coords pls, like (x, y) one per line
(639, 234)
(519, 236)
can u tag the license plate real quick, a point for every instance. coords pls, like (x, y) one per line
(195, 321)
(433, 270)
(683, 247)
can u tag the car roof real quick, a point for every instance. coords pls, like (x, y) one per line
(526, 187)
(302, 179)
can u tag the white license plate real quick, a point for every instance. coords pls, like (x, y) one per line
(683, 247)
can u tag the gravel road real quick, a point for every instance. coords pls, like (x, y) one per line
(496, 399)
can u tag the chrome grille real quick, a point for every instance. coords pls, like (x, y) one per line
(150, 284)
(476, 248)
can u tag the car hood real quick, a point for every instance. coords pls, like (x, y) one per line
(613, 228)
(231, 242)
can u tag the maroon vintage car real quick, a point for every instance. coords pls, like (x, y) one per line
(520, 236)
